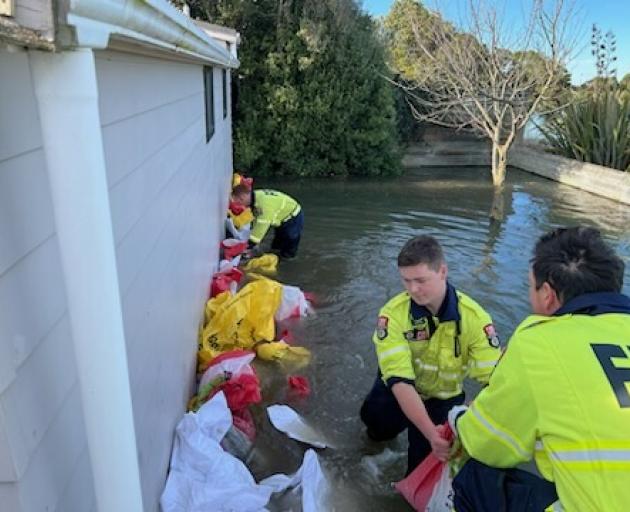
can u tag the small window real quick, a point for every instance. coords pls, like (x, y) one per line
(208, 84)
(225, 103)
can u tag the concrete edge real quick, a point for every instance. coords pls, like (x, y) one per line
(599, 180)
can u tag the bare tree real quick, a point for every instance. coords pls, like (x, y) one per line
(490, 75)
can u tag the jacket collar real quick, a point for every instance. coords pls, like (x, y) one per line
(449, 310)
(596, 304)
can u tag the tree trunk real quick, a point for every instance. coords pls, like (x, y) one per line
(499, 163)
(497, 210)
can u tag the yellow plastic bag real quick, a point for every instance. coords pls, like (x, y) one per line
(245, 217)
(280, 350)
(241, 320)
(267, 264)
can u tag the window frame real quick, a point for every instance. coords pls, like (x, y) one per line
(208, 87)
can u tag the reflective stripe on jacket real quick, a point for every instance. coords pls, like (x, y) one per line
(429, 352)
(271, 208)
(561, 395)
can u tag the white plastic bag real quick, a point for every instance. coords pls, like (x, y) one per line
(293, 304)
(291, 423)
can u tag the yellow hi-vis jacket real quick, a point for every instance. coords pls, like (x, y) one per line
(271, 209)
(561, 394)
(435, 353)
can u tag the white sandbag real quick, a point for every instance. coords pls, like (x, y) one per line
(291, 423)
(227, 265)
(232, 364)
(204, 477)
(240, 234)
(309, 479)
(292, 305)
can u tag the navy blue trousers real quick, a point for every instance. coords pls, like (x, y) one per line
(384, 420)
(287, 236)
(480, 488)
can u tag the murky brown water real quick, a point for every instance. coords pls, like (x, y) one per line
(353, 232)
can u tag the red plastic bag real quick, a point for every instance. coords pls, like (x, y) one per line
(241, 391)
(233, 247)
(298, 386)
(428, 487)
(232, 373)
(223, 281)
(236, 208)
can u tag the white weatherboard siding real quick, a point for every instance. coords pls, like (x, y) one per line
(168, 194)
(43, 453)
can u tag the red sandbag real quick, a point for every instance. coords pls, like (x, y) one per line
(241, 391)
(233, 247)
(223, 281)
(236, 208)
(428, 487)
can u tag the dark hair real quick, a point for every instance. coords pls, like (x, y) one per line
(575, 261)
(421, 249)
(241, 190)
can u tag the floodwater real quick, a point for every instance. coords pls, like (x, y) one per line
(353, 232)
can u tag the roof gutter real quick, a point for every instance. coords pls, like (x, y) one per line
(154, 23)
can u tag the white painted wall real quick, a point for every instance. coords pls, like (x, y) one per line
(43, 453)
(168, 193)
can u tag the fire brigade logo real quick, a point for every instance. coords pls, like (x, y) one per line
(381, 327)
(491, 334)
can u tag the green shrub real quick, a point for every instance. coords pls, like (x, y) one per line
(595, 128)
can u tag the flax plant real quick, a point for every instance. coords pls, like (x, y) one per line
(595, 126)
(595, 129)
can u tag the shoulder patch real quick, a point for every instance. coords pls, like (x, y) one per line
(491, 334)
(381, 327)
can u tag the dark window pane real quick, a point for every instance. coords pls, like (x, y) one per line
(208, 84)
(225, 105)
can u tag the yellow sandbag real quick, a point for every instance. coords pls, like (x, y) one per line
(245, 217)
(213, 304)
(236, 179)
(267, 263)
(241, 320)
(205, 355)
(280, 350)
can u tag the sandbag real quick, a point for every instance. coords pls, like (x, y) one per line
(280, 350)
(429, 486)
(293, 304)
(239, 320)
(225, 281)
(267, 264)
(233, 247)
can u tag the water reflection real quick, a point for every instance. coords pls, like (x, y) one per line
(353, 232)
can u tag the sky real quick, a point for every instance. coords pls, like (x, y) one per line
(611, 15)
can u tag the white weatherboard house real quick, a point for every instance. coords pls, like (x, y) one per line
(115, 163)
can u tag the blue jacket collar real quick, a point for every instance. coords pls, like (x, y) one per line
(449, 310)
(596, 304)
